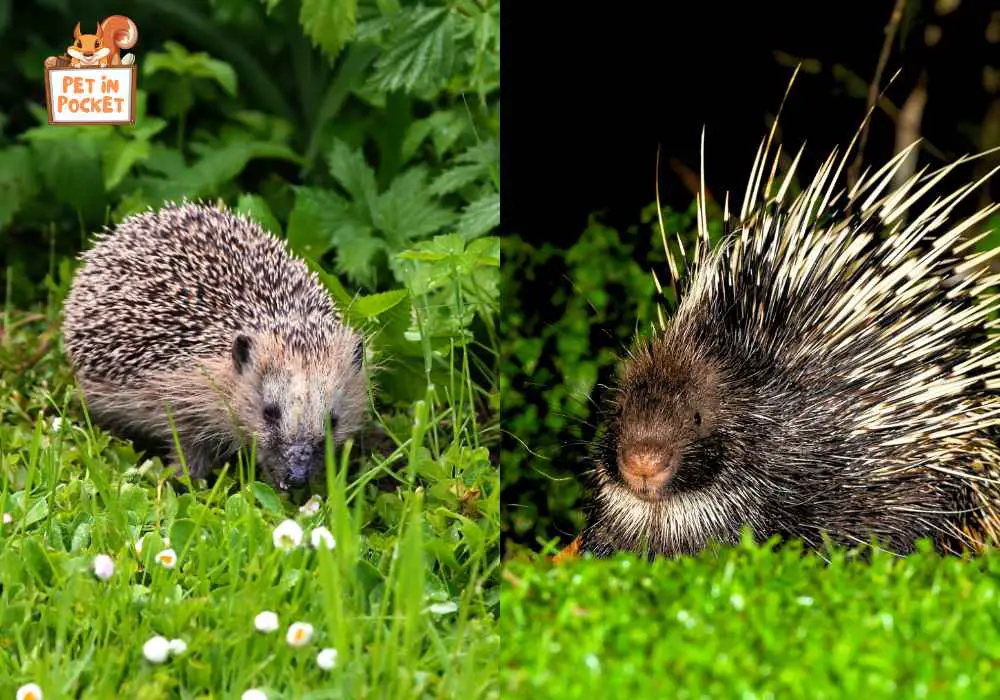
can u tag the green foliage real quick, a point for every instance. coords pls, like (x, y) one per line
(366, 133)
(568, 315)
(750, 621)
(397, 101)
(328, 23)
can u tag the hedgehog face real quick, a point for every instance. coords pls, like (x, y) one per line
(292, 397)
(666, 412)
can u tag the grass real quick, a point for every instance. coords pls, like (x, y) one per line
(752, 622)
(408, 596)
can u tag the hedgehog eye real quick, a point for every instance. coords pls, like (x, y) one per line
(697, 418)
(334, 420)
(272, 413)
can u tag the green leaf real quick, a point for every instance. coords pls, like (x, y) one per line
(81, 537)
(213, 169)
(317, 213)
(422, 53)
(267, 497)
(39, 511)
(349, 168)
(481, 216)
(119, 156)
(329, 24)
(455, 179)
(407, 211)
(483, 252)
(178, 60)
(37, 561)
(356, 258)
(470, 166)
(447, 128)
(256, 207)
(377, 304)
(444, 128)
(180, 533)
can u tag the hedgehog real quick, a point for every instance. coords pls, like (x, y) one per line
(194, 322)
(829, 375)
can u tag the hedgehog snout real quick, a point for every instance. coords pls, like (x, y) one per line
(647, 466)
(299, 459)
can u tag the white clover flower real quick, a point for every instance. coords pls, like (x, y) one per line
(310, 507)
(299, 634)
(167, 558)
(266, 621)
(8, 518)
(177, 646)
(56, 423)
(253, 694)
(288, 535)
(104, 566)
(322, 536)
(156, 649)
(327, 659)
(29, 691)
(138, 544)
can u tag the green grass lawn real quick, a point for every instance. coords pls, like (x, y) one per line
(752, 622)
(408, 596)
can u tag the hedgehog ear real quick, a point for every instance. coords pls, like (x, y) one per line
(357, 359)
(241, 352)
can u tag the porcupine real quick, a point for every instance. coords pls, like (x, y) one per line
(191, 317)
(829, 375)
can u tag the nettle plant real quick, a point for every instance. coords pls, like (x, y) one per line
(357, 128)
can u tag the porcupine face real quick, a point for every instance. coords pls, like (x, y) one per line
(671, 473)
(288, 399)
(665, 414)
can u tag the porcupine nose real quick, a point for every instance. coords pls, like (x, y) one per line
(647, 467)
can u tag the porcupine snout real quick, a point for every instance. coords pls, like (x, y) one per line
(647, 466)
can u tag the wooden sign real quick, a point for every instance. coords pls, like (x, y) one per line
(91, 95)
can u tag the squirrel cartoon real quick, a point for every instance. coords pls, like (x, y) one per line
(102, 48)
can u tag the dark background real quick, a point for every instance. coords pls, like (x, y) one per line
(589, 95)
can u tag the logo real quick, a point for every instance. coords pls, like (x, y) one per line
(94, 82)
